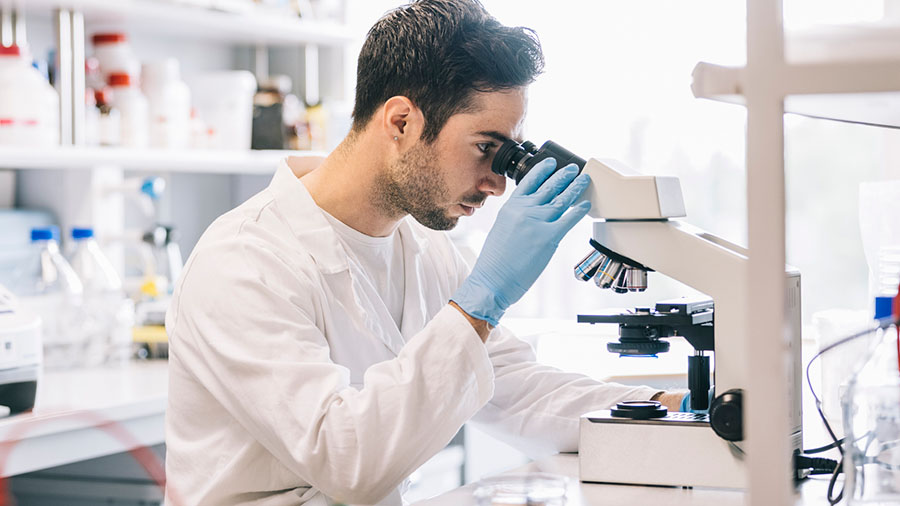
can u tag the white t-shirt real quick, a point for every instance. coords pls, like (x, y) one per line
(381, 258)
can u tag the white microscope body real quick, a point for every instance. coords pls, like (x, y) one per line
(637, 219)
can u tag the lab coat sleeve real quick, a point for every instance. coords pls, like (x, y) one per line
(536, 408)
(248, 334)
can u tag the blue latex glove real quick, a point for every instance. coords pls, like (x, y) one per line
(528, 229)
(686, 403)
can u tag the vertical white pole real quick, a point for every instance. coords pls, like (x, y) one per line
(7, 34)
(76, 44)
(311, 73)
(63, 22)
(766, 402)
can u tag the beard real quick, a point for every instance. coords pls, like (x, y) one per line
(414, 185)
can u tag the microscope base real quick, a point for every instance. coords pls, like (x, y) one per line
(679, 450)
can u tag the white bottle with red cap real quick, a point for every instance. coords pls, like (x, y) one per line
(29, 106)
(114, 54)
(134, 121)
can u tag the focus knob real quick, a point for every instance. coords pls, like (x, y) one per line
(726, 415)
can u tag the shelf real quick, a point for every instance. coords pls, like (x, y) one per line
(262, 162)
(168, 17)
(846, 73)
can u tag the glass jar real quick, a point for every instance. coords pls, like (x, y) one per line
(531, 489)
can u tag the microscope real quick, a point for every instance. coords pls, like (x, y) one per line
(638, 230)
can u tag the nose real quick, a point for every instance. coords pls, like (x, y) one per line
(493, 184)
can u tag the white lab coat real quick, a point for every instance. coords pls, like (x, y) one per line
(290, 383)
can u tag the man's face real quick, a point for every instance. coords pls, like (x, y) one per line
(439, 182)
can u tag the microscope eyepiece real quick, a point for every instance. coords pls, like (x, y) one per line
(514, 160)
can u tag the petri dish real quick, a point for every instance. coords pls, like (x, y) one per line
(523, 489)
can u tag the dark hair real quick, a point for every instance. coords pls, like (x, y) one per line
(437, 53)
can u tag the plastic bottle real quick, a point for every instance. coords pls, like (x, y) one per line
(133, 110)
(29, 106)
(108, 313)
(55, 293)
(887, 278)
(114, 54)
(109, 122)
(170, 104)
(871, 423)
(880, 232)
(872, 402)
(91, 119)
(225, 102)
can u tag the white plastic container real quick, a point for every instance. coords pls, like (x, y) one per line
(879, 208)
(169, 100)
(134, 123)
(91, 119)
(29, 106)
(224, 100)
(114, 54)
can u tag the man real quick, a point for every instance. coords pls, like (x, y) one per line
(327, 338)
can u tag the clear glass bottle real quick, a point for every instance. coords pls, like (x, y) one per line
(108, 313)
(872, 425)
(55, 293)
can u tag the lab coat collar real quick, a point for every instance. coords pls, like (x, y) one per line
(307, 221)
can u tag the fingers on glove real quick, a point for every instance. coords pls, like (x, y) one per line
(570, 195)
(558, 182)
(575, 214)
(535, 177)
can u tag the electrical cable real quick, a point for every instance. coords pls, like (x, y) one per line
(827, 447)
(882, 323)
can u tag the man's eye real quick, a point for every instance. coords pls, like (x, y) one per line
(485, 147)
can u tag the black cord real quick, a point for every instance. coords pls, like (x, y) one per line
(883, 323)
(827, 447)
(830, 496)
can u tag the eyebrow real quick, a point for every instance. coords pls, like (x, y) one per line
(496, 135)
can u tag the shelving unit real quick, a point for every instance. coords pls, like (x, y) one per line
(847, 73)
(844, 73)
(252, 26)
(266, 41)
(258, 162)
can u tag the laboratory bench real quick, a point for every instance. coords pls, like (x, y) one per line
(80, 414)
(74, 429)
(812, 491)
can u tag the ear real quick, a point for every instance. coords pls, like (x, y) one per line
(402, 122)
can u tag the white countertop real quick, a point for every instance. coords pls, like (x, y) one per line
(812, 492)
(81, 414)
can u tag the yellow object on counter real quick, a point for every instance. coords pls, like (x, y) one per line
(149, 334)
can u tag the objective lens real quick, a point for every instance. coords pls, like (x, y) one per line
(635, 279)
(620, 286)
(608, 272)
(588, 265)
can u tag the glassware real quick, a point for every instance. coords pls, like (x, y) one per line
(525, 489)
(872, 427)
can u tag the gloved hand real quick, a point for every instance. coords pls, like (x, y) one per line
(686, 403)
(528, 229)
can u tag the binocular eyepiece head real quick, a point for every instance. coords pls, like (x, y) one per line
(514, 159)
